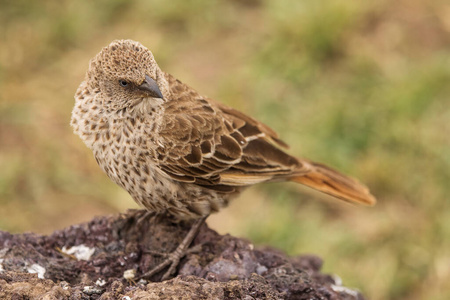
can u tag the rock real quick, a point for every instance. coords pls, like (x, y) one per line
(103, 259)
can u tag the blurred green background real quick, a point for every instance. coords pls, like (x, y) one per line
(360, 85)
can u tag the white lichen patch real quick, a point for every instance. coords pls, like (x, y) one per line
(100, 282)
(344, 290)
(89, 289)
(129, 274)
(64, 285)
(81, 252)
(260, 269)
(1, 266)
(337, 280)
(37, 269)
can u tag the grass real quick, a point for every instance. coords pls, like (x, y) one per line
(357, 85)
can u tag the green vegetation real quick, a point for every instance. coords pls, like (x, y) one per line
(358, 85)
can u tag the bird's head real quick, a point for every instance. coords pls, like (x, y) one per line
(126, 75)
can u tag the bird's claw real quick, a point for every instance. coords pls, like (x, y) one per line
(172, 259)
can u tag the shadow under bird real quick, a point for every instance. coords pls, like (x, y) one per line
(177, 152)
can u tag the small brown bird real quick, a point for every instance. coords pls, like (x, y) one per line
(178, 152)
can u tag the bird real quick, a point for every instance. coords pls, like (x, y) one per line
(177, 152)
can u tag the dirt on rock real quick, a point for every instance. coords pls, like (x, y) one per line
(103, 259)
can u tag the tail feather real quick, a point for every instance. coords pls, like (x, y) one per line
(329, 181)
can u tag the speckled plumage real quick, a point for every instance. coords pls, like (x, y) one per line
(184, 154)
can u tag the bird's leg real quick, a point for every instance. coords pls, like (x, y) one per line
(173, 258)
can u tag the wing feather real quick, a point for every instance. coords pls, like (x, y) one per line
(218, 147)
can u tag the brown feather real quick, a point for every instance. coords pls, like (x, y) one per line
(234, 149)
(329, 181)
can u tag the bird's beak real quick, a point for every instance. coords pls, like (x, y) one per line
(151, 87)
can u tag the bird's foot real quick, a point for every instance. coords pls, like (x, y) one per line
(194, 249)
(173, 259)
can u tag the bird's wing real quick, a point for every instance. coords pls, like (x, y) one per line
(209, 144)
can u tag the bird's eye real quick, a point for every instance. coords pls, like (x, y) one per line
(123, 83)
